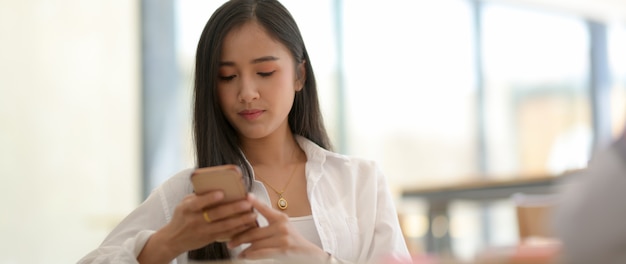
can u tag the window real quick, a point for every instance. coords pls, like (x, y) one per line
(410, 88)
(536, 86)
(617, 61)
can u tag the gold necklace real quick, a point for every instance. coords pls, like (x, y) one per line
(282, 202)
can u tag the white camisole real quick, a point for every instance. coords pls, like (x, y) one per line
(306, 227)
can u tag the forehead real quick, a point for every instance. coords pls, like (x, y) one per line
(251, 41)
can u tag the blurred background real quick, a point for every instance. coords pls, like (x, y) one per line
(95, 106)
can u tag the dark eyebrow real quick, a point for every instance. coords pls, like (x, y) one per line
(254, 61)
(264, 59)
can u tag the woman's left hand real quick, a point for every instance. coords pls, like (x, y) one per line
(279, 238)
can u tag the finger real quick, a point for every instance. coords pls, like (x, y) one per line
(231, 225)
(208, 199)
(264, 253)
(227, 235)
(268, 212)
(252, 236)
(265, 242)
(227, 210)
(188, 198)
(193, 203)
(189, 205)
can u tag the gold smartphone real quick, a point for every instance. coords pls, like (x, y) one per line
(227, 178)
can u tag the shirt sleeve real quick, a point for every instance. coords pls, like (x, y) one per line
(388, 245)
(128, 238)
(126, 252)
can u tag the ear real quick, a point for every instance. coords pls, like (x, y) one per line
(300, 76)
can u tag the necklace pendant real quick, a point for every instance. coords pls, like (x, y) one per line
(282, 203)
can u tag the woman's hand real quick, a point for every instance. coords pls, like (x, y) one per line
(189, 229)
(279, 238)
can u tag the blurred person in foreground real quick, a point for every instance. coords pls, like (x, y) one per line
(256, 106)
(590, 220)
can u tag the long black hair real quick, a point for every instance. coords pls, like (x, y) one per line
(216, 141)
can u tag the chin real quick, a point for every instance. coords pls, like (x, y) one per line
(253, 134)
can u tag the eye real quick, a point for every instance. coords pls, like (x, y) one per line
(227, 78)
(265, 74)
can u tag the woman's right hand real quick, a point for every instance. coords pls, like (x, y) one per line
(189, 230)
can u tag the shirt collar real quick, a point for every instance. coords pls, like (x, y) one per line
(315, 156)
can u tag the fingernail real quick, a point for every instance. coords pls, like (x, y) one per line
(218, 195)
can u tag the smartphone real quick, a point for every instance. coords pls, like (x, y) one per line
(227, 178)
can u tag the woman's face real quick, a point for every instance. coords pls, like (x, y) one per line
(257, 82)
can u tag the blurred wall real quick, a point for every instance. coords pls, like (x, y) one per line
(69, 125)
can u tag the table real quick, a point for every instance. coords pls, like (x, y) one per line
(438, 198)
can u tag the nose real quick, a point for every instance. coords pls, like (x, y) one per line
(248, 90)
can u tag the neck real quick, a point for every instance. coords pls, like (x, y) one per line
(276, 149)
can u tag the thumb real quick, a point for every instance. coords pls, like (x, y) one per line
(268, 212)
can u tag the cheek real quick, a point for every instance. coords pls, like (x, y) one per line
(287, 82)
(283, 89)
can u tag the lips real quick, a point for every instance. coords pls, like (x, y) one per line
(251, 114)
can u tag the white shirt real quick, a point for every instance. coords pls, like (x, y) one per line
(351, 205)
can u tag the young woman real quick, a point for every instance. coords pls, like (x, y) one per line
(256, 106)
